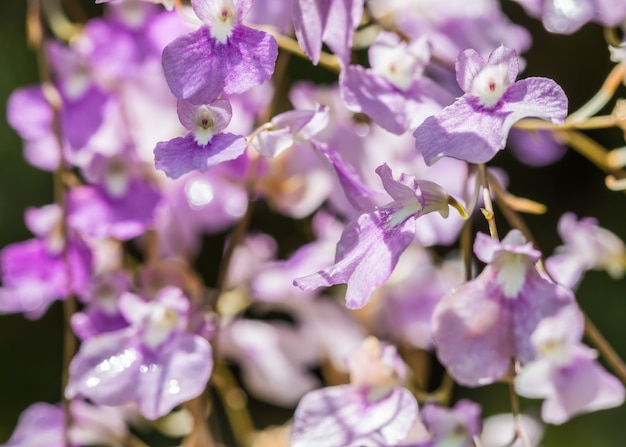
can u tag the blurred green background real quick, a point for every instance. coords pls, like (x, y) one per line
(30, 351)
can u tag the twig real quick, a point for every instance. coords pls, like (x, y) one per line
(488, 209)
(596, 122)
(35, 33)
(606, 350)
(235, 404)
(600, 99)
(512, 217)
(588, 148)
(517, 418)
(329, 61)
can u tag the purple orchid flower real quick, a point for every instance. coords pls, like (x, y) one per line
(565, 372)
(394, 92)
(482, 324)
(155, 362)
(332, 22)
(39, 271)
(40, 425)
(101, 313)
(567, 17)
(44, 425)
(204, 146)
(370, 246)
(373, 410)
(222, 55)
(93, 211)
(291, 141)
(476, 126)
(587, 247)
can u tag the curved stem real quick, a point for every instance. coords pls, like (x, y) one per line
(588, 148)
(611, 37)
(60, 24)
(600, 99)
(605, 349)
(595, 122)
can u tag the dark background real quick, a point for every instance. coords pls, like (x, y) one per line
(30, 351)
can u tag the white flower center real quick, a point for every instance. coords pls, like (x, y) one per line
(160, 324)
(403, 213)
(55, 240)
(76, 84)
(511, 272)
(398, 65)
(222, 27)
(490, 84)
(117, 178)
(556, 350)
(204, 126)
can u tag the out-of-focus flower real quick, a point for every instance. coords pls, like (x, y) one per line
(565, 372)
(587, 247)
(374, 409)
(482, 324)
(155, 362)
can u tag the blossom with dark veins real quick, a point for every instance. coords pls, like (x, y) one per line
(475, 127)
(373, 410)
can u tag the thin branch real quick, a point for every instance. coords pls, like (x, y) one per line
(235, 404)
(519, 429)
(587, 147)
(600, 99)
(512, 217)
(596, 122)
(35, 32)
(328, 61)
(60, 24)
(605, 349)
(488, 209)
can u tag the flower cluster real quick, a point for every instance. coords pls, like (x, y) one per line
(212, 199)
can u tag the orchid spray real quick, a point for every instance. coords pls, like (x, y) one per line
(298, 223)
